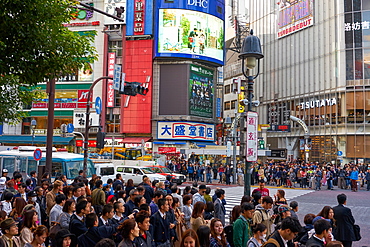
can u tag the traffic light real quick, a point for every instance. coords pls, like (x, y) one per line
(261, 144)
(100, 139)
(134, 88)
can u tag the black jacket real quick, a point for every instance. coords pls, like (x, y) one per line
(129, 207)
(344, 221)
(148, 242)
(76, 226)
(314, 242)
(95, 234)
(149, 193)
(161, 231)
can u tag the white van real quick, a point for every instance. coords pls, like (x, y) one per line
(109, 170)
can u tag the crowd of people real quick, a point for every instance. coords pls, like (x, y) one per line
(151, 214)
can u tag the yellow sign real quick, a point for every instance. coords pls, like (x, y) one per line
(241, 108)
(263, 126)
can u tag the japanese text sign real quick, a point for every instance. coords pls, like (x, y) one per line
(252, 136)
(139, 13)
(186, 131)
(110, 90)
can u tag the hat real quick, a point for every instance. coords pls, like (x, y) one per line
(63, 234)
(5, 170)
(283, 208)
(32, 193)
(166, 182)
(7, 223)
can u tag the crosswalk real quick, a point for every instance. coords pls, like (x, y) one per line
(233, 196)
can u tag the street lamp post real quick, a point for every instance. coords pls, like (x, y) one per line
(250, 53)
(33, 126)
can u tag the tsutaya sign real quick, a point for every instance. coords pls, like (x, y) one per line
(318, 103)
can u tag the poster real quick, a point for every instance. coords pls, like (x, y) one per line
(201, 91)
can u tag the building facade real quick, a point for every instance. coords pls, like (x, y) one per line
(316, 69)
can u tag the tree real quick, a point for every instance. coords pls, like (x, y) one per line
(35, 47)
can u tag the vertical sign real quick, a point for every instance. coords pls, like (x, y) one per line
(110, 90)
(218, 107)
(241, 108)
(117, 77)
(139, 13)
(252, 138)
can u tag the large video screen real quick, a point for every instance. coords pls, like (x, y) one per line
(190, 34)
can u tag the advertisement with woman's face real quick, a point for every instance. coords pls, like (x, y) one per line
(192, 34)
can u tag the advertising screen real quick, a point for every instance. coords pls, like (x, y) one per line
(190, 34)
(201, 92)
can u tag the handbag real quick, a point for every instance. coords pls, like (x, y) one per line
(357, 231)
(54, 229)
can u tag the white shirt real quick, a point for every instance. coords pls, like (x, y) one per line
(103, 220)
(284, 241)
(162, 215)
(7, 207)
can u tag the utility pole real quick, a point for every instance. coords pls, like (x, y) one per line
(50, 128)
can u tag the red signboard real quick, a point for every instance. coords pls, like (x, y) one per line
(110, 90)
(92, 144)
(166, 150)
(82, 95)
(139, 13)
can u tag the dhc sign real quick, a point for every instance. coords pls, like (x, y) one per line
(198, 3)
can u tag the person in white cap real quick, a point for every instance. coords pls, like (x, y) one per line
(5, 174)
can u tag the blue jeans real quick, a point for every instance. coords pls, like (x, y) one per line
(330, 184)
(209, 178)
(318, 184)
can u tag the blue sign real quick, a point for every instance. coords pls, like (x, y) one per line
(200, 28)
(98, 105)
(37, 154)
(70, 128)
(1, 129)
(117, 77)
(147, 15)
(340, 153)
(218, 107)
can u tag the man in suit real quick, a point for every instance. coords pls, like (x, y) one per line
(107, 215)
(130, 205)
(220, 210)
(290, 227)
(77, 223)
(33, 175)
(344, 231)
(9, 229)
(161, 227)
(22, 192)
(322, 232)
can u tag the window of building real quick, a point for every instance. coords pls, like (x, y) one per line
(233, 104)
(227, 89)
(227, 105)
(116, 47)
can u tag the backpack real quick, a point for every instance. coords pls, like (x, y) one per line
(271, 241)
(229, 234)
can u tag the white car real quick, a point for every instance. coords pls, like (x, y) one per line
(109, 170)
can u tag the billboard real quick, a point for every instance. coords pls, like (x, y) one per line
(294, 15)
(190, 29)
(185, 131)
(201, 91)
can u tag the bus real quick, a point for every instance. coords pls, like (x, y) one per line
(21, 159)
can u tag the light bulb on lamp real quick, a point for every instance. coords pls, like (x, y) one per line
(251, 62)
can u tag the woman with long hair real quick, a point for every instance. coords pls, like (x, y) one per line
(327, 213)
(280, 198)
(129, 231)
(40, 233)
(68, 209)
(18, 205)
(203, 233)
(129, 187)
(189, 239)
(29, 224)
(179, 217)
(259, 236)
(218, 238)
(197, 218)
(187, 209)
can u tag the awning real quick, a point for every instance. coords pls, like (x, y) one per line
(169, 143)
(204, 144)
(25, 139)
(135, 140)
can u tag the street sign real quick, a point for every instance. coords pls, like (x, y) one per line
(123, 82)
(228, 149)
(252, 136)
(117, 77)
(98, 105)
(37, 154)
(70, 128)
(340, 153)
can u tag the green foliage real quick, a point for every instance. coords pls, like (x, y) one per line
(35, 47)
(185, 25)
